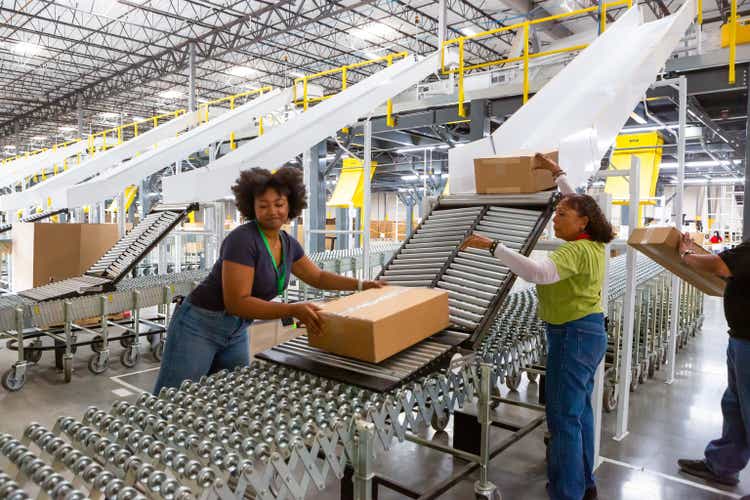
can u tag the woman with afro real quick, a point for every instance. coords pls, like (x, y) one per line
(208, 331)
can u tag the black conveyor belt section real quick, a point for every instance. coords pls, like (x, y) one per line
(115, 264)
(475, 281)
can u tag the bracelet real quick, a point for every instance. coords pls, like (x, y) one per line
(359, 285)
(493, 246)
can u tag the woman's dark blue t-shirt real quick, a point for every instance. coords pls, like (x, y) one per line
(244, 245)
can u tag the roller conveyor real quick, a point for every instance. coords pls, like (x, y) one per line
(119, 260)
(34, 218)
(476, 282)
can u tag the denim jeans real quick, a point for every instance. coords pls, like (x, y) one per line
(201, 342)
(729, 454)
(574, 351)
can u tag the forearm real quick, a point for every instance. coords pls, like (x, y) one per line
(332, 281)
(706, 263)
(254, 308)
(538, 272)
(564, 185)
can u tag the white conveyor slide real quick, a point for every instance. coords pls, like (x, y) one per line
(17, 170)
(582, 109)
(54, 186)
(300, 133)
(114, 181)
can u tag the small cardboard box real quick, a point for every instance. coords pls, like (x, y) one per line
(662, 245)
(376, 324)
(512, 175)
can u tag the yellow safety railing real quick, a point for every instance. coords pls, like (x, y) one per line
(307, 100)
(37, 151)
(203, 108)
(526, 55)
(119, 131)
(733, 41)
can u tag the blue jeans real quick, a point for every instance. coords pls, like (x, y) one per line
(201, 342)
(574, 351)
(729, 454)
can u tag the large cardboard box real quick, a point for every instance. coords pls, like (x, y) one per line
(511, 175)
(45, 252)
(662, 245)
(265, 334)
(376, 324)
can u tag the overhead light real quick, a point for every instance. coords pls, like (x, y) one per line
(638, 118)
(373, 31)
(714, 181)
(11, 147)
(138, 119)
(39, 138)
(420, 177)
(27, 49)
(242, 71)
(468, 31)
(171, 94)
(699, 163)
(68, 128)
(202, 101)
(109, 115)
(371, 55)
(296, 74)
(422, 148)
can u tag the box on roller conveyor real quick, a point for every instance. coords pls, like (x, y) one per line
(376, 324)
(661, 244)
(512, 175)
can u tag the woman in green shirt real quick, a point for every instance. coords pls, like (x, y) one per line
(569, 284)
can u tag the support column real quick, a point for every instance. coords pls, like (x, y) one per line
(626, 365)
(442, 23)
(409, 220)
(314, 218)
(479, 126)
(79, 105)
(342, 224)
(192, 105)
(677, 218)
(746, 198)
(121, 215)
(366, 201)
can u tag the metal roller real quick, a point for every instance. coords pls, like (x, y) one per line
(489, 290)
(493, 283)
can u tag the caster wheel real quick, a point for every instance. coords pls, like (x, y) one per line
(532, 377)
(34, 354)
(13, 382)
(158, 350)
(513, 382)
(127, 342)
(68, 369)
(98, 344)
(98, 364)
(439, 421)
(610, 398)
(150, 337)
(130, 357)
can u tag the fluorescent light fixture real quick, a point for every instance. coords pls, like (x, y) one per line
(68, 128)
(373, 31)
(108, 115)
(138, 119)
(422, 148)
(420, 177)
(715, 180)
(468, 31)
(296, 74)
(202, 101)
(39, 138)
(171, 94)
(371, 55)
(242, 71)
(638, 118)
(698, 163)
(27, 49)
(11, 147)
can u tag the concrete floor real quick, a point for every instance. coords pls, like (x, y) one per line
(666, 422)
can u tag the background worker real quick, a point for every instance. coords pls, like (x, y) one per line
(208, 331)
(569, 284)
(726, 456)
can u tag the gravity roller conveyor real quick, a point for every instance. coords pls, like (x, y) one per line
(476, 283)
(4, 228)
(115, 264)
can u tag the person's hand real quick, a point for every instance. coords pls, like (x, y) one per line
(686, 243)
(307, 313)
(544, 163)
(368, 285)
(476, 241)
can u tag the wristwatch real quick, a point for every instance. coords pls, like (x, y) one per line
(493, 246)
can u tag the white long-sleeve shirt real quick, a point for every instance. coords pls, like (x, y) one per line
(540, 272)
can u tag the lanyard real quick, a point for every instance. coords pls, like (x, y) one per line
(280, 276)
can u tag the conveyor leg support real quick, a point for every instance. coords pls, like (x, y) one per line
(483, 488)
(362, 460)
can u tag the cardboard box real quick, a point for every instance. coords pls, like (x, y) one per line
(661, 244)
(512, 175)
(45, 252)
(376, 324)
(265, 334)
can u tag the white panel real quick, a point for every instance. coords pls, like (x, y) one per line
(117, 179)
(38, 194)
(304, 131)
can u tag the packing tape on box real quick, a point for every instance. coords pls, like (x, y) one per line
(346, 313)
